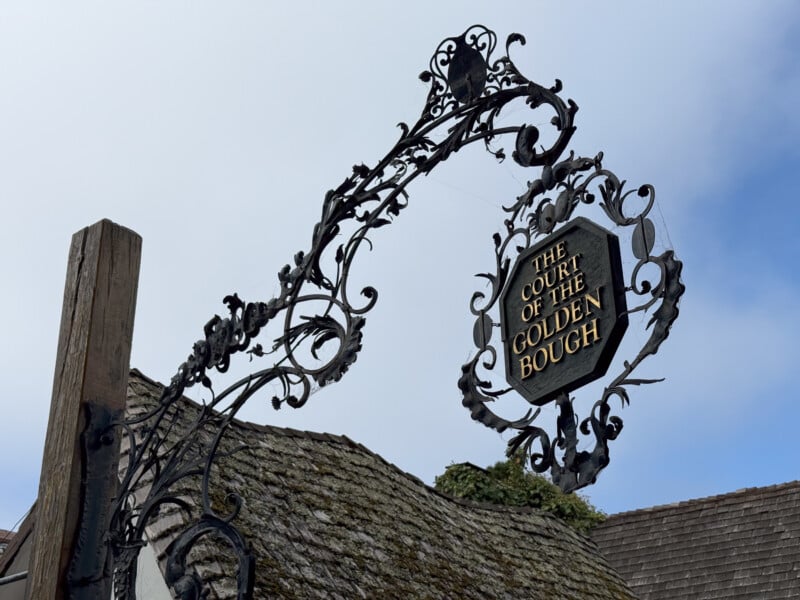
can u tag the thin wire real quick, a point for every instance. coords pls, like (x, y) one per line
(466, 192)
(506, 167)
(664, 226)
(10, 532)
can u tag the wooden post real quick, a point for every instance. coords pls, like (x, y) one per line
(89, 389)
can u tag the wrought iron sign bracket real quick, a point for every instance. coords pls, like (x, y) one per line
(469, 87)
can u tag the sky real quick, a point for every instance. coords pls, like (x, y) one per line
(214, 130)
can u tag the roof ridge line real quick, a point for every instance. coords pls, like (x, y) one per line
(346, 441)
(724, 496)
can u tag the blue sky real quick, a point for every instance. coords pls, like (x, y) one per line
(215, 131)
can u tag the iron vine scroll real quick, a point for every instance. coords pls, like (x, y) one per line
(573, 180)
(469, 88)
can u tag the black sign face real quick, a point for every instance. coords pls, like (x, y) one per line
(563, 312)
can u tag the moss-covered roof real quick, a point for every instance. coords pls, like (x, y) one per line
(328, 518)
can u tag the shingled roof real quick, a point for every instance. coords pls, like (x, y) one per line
(327, 518)
(740, 545)
(5, 538)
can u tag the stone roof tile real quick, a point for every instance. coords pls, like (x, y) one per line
(740, 545)
(5, 539)
(328, 518)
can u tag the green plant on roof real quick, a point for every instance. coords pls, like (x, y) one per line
(508, 483)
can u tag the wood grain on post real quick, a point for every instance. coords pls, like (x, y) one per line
(91, 377)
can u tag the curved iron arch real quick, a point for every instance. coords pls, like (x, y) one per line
(468, 89)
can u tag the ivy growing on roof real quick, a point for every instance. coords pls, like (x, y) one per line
(508, 483)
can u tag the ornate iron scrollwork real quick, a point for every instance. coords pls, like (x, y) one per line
(572, 181)
(468, 90)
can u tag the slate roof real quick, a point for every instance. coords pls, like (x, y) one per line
(740, 545)
(5, 538)
(327, 518)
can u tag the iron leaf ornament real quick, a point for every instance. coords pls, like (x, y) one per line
(320, 317)
(573, 181)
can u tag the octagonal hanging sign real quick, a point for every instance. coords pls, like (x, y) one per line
(563, 312)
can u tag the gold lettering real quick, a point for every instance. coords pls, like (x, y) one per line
(551, 355)
(561, 250)
(537, 305)
(580, 284)
(590, 328)
(563, 271)
(566, 327)
(529, 296)
(549, 257)
(535, 263)
(556, 349)
(559, 324)
(568, 289)
(527, 310)
(575, 311)
(517, 349)
(537, 287)
(532, 309)
(539, 352)
(596, 300)
(538, 328)
(546, 332)
(572, 347)
(525, 367)
(550, 278)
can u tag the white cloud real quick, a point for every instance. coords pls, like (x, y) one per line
(214, 133)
